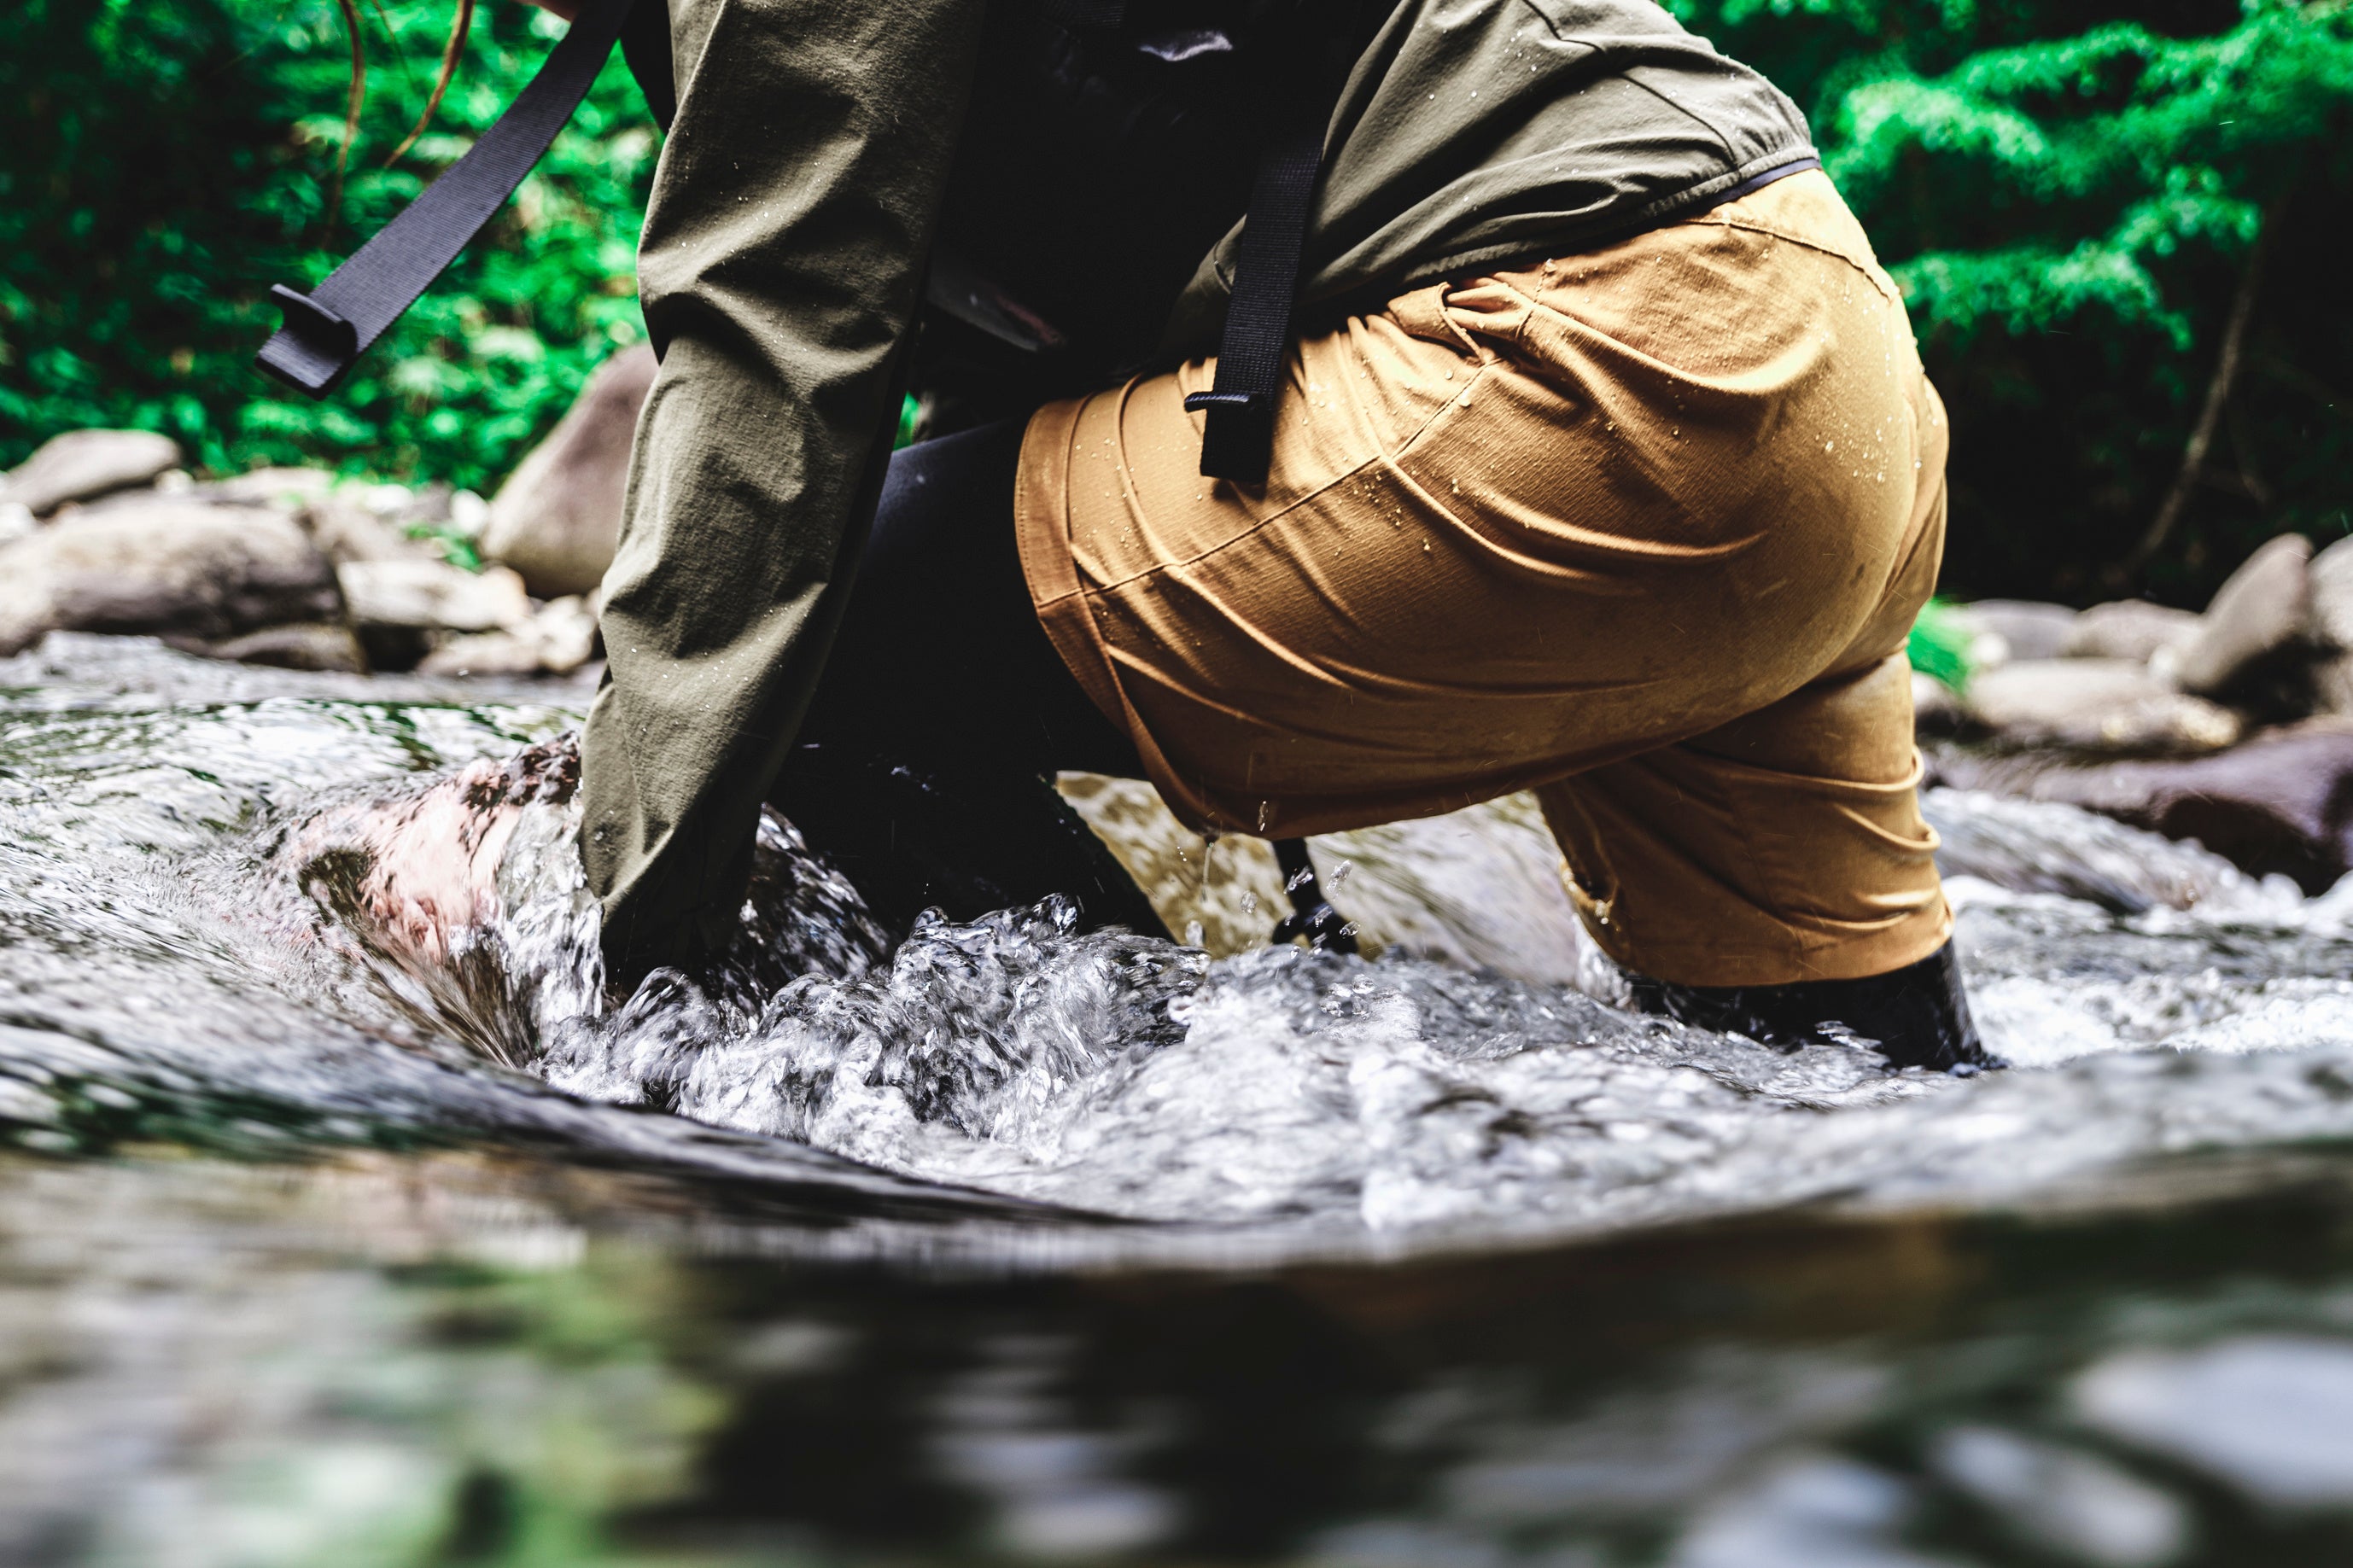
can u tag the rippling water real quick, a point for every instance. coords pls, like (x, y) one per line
(182, 973)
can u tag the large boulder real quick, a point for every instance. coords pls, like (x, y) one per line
(2283, 802)
(558, 517)
(2252, 637)
(2134, 629)
(167, 567)
(82, 463)
(2095, 705)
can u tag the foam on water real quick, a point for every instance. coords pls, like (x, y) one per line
(1473, 1081)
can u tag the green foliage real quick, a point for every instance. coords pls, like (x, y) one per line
(1939, 645)
(164, 164)
(2070, 193)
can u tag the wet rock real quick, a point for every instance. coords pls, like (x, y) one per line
(558, 640)
(2282, 803)
(309, 645)
(2095, 704)
(557, 520)
(81, 464)
(433, 595)
(2027, 629)
(2133, 630)
(169, 566)
(403, 608)
(2254, 630)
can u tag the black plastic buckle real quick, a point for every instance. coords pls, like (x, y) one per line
(1238, 437)
(314, 347)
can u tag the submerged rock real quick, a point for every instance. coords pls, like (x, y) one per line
(82, 463)
(2282, 803)
(2096, 704)
(557, 519)
(162, 566)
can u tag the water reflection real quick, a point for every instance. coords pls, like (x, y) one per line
(428, 1360)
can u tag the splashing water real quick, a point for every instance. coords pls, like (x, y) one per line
(183, 899)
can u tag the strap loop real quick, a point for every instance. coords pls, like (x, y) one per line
(329, 327)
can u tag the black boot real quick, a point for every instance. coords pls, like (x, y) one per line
(1915, 1016)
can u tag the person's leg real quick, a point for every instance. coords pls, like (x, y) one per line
(923, 768)
(1774, 875)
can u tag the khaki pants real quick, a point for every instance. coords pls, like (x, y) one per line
(1643, 530)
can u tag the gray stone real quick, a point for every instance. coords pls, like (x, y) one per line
(2258, 616)
(2281, 803)
(309, 645)
(2133, 630)
(289, 489)
(2331, 579)
(348, 531)
(433, 595)
(2028, 629)
(2095, 705)
(558, 517)
(1936, 709)
(170, 566)
(558, 640)
(81, 464)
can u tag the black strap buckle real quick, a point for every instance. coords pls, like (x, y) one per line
(314, 347)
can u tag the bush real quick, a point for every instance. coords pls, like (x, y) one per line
(2070, 194)
(2075, 195)
(165, 164)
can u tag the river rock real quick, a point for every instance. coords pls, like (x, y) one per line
(558, 640)
(81, 464)
(558, 517)
(290, 489)
(169, 566)
(433, 595)
(350, 530)
(2283, 802)
(2133, 630)
(2028, 629)
(2257, 621)
(2096, 704)
(308, 644)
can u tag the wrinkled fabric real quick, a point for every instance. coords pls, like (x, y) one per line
(1642, 528)
(791, 212)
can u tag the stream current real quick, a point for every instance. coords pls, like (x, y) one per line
(1018, 1247)
(176, 970)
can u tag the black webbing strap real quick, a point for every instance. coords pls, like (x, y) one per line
(329, 327)
(1238, 409)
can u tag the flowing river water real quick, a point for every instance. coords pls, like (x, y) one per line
(1013, 1245)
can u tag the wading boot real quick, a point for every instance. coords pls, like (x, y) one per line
(1915, 1016)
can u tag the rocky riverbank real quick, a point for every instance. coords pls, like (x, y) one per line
(2233, 726)
(106, 531)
